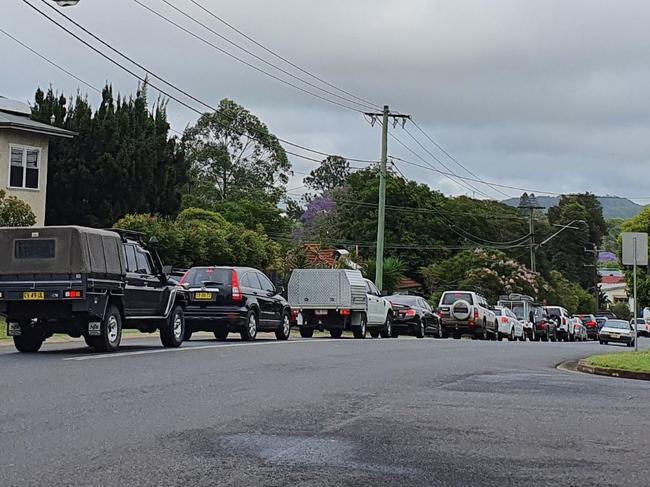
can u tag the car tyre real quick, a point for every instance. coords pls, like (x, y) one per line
(336, 332)
(374, 333)
(188, 334)
(111, 332)
(249, 331)
(441, 332)
(511, 336)
(283, 332)
(173, 328)
(221, 334)
(31, 339)
(387, 331)
(306, 332)
(420, 326)
(360, 332)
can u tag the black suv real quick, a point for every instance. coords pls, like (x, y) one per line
(234, 299)
(85, 282)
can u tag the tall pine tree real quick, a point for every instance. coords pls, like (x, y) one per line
(122, 160)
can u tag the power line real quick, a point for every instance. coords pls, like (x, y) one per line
(280, 57)
(365, 106)
(144, 80)
(243, 61)
(456, 160)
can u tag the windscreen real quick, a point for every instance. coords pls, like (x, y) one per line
(499, 312)
(518, 310)
(618, 324)
(405, 300)
(34, 249)
(451, 298)
(200, 275)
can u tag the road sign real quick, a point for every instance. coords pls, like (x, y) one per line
(632, 255)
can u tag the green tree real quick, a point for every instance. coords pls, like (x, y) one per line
(621, 310)
(121, 161)
(394, 270)
(640, 223)
(232, 155)
(331, 174)
(15, 212)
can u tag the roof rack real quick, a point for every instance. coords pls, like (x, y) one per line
(139, 236)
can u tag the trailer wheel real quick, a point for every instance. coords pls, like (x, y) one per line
(30, 340)
(336, 332)
(111, 332)
(306, 332)
(361, 331)
(173, 329)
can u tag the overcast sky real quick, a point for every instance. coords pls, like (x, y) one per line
(546, 94)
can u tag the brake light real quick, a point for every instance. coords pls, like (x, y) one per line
(504, 319)
(591, 324)
(410, 312)
(236, 290)
(345, 312)
(72, 294)
(295, 313)
(475, 314)
(542, 325)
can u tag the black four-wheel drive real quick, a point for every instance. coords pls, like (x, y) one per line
(85, 282)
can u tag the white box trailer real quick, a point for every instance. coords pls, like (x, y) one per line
(336, 300)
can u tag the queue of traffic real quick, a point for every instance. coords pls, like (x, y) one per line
(95, 283)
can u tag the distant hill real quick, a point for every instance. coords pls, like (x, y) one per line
(613, 206)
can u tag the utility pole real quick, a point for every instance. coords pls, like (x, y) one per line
(381, 216)
(529, 202)
(594, 251)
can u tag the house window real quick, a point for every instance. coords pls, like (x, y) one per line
(24, 167)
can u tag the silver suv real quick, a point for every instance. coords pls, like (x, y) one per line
(467, 312)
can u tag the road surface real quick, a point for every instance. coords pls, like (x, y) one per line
(319, 412)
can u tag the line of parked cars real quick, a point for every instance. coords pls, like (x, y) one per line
(95, 283)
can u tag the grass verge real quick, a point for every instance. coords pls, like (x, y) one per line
(3, 329)
(634, 361)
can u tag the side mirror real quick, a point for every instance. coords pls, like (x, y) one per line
(280, 290)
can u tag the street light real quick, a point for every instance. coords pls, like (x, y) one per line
(66, 3)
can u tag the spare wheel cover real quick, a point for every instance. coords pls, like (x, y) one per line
(461, 310)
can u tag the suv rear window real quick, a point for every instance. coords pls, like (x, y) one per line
(451, 298)
(199, 275)
(34, 249)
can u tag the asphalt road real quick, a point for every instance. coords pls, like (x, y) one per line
(320, 412)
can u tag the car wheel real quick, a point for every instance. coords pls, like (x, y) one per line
(441, 331)
(456, 336)
(395, 335)
(221, 334)
(283, 332)
(306, 332)
(511, 336)
(173, 329)
(249, 332)
(484, 334)
(188, 334)
(30, 340)
(336, 332)
(374, 333)
(387, 332)
(419, 329)
(110, 332)
(360, 332)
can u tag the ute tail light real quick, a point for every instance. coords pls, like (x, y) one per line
(345, 312)
(236, 290)
(295, 313)
(72, 295)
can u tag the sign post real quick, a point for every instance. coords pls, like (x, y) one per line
(635, 253)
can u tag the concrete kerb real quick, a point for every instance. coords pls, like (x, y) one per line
(584, 367)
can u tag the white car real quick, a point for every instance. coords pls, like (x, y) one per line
(561, 317)
(578, 331)
(509, 325)
(617, 331)
(642, 327)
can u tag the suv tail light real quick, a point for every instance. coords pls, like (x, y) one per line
(236, 290)
(475, 314)
(504, 320)
(591, 324)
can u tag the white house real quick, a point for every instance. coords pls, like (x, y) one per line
(23, 154)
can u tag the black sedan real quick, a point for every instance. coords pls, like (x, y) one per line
(414, 316)
(234, 299)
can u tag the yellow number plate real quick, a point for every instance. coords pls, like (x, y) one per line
(615, 335)
(33, 296)
(203, 295)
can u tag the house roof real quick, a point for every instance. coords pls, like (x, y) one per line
(9, 120)
(612, 279)
(408, 284)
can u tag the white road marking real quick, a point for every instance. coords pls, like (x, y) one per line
(202, 347)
